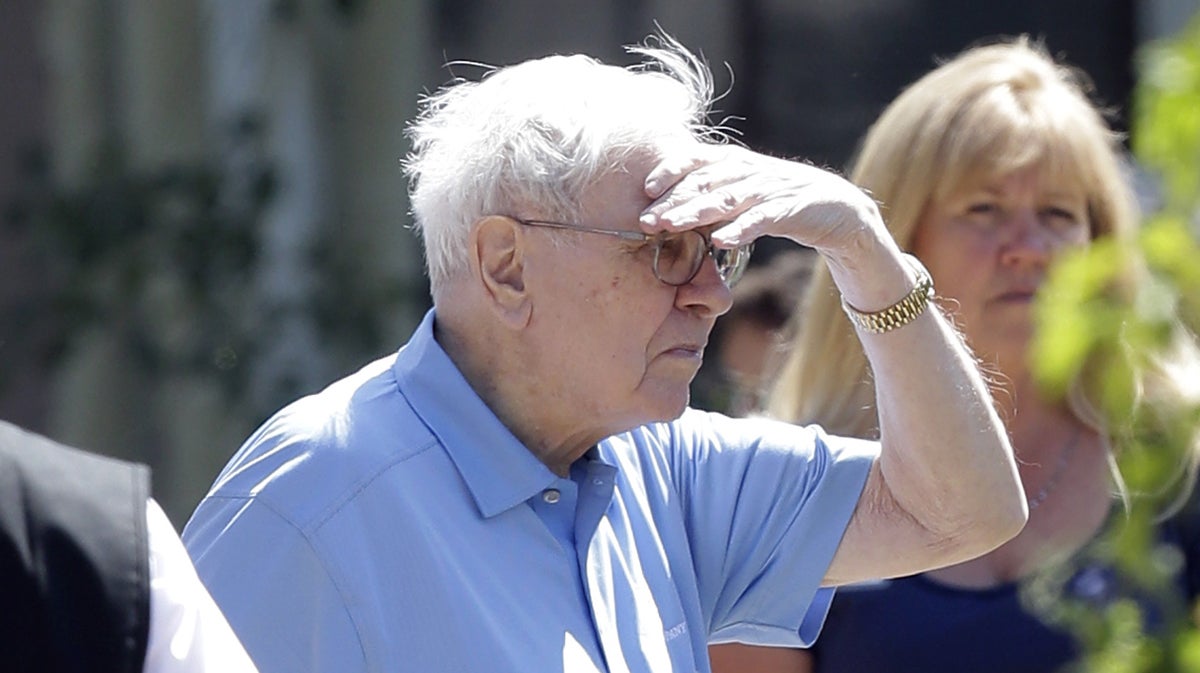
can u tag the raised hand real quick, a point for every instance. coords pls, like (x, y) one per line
(747, 195)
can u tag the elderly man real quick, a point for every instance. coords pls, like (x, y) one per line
(522, 487)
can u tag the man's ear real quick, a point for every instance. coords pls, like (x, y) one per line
(498, 245)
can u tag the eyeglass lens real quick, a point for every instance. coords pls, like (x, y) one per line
(678, 258)
(731, 262)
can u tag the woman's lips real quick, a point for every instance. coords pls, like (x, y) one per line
(1016, 297)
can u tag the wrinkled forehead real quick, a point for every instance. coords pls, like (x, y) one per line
(621, 183)
(617, 194)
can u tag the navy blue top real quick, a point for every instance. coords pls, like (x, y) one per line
(918, 624)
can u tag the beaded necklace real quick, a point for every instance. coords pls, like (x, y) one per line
(1060, 468)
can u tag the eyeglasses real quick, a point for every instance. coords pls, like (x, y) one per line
(677, 257)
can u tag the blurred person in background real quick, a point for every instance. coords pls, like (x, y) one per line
(93, 577)
(522, 486)
(749, 338)
(987, 168)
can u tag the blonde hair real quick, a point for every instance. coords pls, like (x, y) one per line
(988, 112)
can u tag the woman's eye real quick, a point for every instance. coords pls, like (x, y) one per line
(982, 214)
(1060, 217)
(981, 208)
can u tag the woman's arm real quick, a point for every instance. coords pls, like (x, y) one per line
(739, 658)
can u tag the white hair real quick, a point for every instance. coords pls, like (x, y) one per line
(529, 139)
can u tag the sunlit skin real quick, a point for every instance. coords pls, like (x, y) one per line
(902, 520)
(988, 250)
(570, 338)
(600, 316)
(639, 341)
(607, 320)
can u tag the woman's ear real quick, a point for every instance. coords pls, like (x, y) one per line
(498, 247)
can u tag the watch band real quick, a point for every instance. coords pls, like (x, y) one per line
(902, 312)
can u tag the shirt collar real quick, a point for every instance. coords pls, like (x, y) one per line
(499, 471)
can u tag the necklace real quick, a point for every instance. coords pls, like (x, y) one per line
(1060, 468)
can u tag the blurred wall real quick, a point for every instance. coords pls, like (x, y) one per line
(23, 387)
(167, 126)
(826, 68)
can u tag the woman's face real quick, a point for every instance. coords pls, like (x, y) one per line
(988, 248)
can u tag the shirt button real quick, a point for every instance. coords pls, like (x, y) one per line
(550, 495)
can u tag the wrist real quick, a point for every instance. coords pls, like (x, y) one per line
(907, 309)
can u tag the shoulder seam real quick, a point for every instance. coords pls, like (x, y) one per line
(357, 488)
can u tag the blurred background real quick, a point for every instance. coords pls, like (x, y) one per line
(202, 214)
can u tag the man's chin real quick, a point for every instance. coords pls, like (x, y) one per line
(667, 409)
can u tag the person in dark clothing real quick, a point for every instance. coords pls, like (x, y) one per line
(92, 575)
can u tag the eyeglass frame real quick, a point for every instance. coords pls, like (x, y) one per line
(730, 277)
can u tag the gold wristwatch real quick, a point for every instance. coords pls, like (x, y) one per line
(902, 312)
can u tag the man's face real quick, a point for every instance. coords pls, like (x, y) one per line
(620, 346)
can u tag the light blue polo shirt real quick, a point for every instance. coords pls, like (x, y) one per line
(392, 523)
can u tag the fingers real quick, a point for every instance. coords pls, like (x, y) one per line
(675, 166)
(699, 204)
(747, 227)
(720, 187)
(745, 195)
(705, 185)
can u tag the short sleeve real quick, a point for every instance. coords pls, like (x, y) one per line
(273, 588)
(766, 505)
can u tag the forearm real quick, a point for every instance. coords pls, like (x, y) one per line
(945, 455)
(945, 461)
(946, 486)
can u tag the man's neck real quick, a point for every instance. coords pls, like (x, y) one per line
(507, 381)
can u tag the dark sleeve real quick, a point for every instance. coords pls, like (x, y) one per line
(74, 558)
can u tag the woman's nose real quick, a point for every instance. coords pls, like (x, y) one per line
(1030, 241)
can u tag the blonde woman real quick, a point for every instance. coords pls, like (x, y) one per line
(987, 168)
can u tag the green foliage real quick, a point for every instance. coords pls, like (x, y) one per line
(1167, 119)
(1109, 317)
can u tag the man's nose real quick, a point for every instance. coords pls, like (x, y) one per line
(707, 293)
